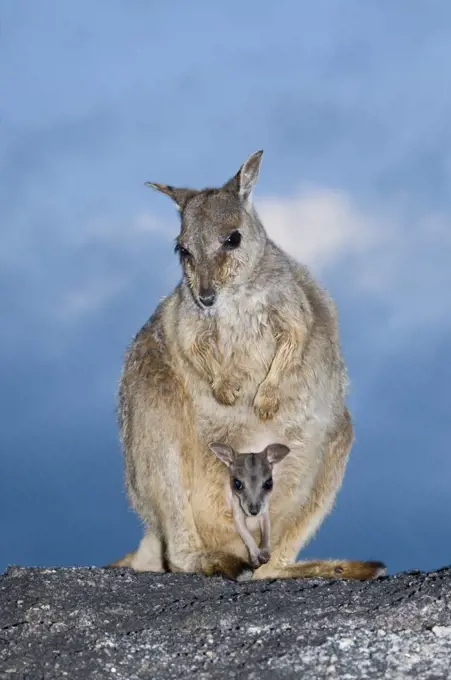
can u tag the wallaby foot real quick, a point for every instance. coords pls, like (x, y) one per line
(245, 575)
(332, 569)
(125, 561)
(264, 556)
(212, 564)
(259, 557)
(227, 565)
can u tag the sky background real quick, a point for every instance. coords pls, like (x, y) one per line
(351, 103)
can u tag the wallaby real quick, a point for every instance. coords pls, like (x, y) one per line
(245, 351)
(251, 483)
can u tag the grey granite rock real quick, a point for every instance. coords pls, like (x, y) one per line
(100, 623)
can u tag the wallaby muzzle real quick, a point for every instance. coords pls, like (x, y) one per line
(207, 297)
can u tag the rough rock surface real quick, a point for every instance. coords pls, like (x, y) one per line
(99, 623)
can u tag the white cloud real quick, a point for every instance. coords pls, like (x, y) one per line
(318, 226)
(390, 254)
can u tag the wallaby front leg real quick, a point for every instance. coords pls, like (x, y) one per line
(265, 529)
(248, 539)
(267, 399)
(225, 385)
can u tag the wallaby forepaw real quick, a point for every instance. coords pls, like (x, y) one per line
(226, 391)
(267, 402)
(263, 556)
(259, 558)
(255, 560)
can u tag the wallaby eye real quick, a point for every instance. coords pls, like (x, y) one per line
(233, 241)
(268, 485)
(183, 252)
(237, 484)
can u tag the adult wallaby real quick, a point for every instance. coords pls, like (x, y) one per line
(244, 351)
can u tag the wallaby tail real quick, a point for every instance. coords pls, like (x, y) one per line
(332, 569)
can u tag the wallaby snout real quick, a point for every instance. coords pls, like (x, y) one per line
(207, 297)
(253, 508)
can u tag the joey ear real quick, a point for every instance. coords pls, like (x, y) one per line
(223, 452)
(246, 177)
(180, 196)
(276, 453)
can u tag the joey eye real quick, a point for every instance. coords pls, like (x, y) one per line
(238, 485)
(182, 252)
(268, 485)
(233, 241)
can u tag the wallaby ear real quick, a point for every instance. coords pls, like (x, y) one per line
(276, 453)
(246, 177)
(223, 452)
(180, 196)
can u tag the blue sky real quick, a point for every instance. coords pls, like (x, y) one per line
(351, 103)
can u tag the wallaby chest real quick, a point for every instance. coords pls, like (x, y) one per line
(244, 332)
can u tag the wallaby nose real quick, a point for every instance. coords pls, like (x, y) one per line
(254, 509)
(207, 297)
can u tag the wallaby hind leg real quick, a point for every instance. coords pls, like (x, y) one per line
(282, 563)
(185, 552)
(149, 557)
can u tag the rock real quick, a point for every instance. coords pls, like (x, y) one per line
(91, 624)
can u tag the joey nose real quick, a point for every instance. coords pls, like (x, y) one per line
(207, 297)
(254, 509)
